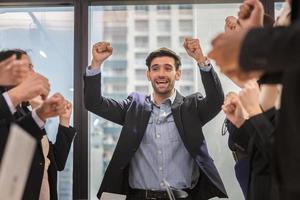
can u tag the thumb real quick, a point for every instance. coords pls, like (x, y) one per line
(109, 48)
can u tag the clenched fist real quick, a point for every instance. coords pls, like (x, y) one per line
(52, 107)
(193, 49)
(64, 119)
(251, 14)
(249, 97)
(234, 110)
(101, 51)
(12, 71)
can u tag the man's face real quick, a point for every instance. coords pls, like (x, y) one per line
(25, 58)
(163, 74)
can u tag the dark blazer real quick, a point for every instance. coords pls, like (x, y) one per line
(190, 114)
(58, 152)
(277, 50)
(261, 129)
(238, 141)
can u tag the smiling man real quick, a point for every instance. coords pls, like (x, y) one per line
(162, 137)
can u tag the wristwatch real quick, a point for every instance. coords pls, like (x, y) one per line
(205, 63)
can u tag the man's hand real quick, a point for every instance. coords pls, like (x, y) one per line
(226, 50)
(101, 51)
(52, 107)
(251, 14)
(193, 49)
(64, 119)
(36, 102)
(231, 24)
(34, 85)
(249, 97)
(234, 110)
(12, 71)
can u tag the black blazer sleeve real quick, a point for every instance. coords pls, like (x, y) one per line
(261, 128)
(271, 49)
(238, 139)
(209, 106)
(107, 108)
(62, 145)
(271, 78)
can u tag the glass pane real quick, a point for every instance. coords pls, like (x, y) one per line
(163, 25)
(167, 25)
(277, 8)
(141, 25)
(47, 35)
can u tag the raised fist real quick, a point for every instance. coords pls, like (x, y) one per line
(193, 49)
(251, 14)
(12, 71)
(101, 51)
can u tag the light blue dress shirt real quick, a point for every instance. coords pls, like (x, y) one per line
(162, 154)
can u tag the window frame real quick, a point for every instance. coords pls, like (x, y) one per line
(81, 36)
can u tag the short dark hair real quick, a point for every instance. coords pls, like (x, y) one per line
(4, 54)
(161, 52)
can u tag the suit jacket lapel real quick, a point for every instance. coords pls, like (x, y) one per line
(176, 112)
(145, 116)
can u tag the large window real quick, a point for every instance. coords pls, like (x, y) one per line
(58, 38)
(201, 21)
(47, 35)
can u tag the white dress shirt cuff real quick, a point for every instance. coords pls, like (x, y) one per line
(37, 119)
(92, 72)
(205, 68)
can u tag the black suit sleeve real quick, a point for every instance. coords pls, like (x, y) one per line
(107, 108)
(62, 145)
(271, 49)
(210, 106)
(238, 139)
(271, 78)
(261, 128)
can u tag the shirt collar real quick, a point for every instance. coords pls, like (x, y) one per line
(171, 98)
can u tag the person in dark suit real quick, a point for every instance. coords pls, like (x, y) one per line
(256, 130)
(237, 140)
(48, 158)
(162, 134)
(279, 53)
